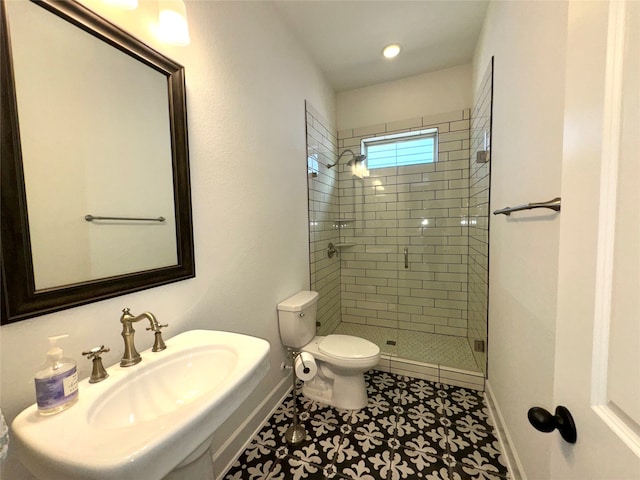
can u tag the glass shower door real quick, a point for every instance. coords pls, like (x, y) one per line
(368, 271)
(433, 221)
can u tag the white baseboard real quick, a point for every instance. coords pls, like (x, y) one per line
(513, 461)
(227, 454)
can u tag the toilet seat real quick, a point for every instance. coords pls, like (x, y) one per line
(347, 346)
(362, 355)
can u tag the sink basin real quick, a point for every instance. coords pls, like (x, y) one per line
(143, 421)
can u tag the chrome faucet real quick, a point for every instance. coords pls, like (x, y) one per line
(131, 355)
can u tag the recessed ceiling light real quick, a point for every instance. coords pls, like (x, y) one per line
(391, 51)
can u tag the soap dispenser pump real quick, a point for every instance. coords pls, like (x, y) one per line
(56, 380)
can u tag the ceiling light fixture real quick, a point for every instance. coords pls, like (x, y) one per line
(391, 51)
(173, 27)
(124, 4)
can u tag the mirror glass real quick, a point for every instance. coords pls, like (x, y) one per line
(119, 167)
(100, 159)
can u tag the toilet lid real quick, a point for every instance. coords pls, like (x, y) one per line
(347, 346)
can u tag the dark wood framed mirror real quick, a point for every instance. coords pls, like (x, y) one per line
(24, 295)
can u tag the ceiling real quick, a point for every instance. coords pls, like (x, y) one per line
(346, 38)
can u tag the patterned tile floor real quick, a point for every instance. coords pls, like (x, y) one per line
(410, 429)
(445, 350)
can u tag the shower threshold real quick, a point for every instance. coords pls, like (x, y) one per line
(440, 358)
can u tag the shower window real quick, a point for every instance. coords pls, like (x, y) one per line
(401, 149)
(312, 165)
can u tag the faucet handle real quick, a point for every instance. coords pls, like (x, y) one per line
(95, 352)
(98, 373)
(158, 343)
(157, 327)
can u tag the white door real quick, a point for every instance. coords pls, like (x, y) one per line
(598, 326)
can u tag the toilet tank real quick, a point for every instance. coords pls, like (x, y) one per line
(297, 319)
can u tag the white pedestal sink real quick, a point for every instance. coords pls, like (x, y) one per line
(143, 421)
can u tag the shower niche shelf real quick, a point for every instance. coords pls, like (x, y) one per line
(342, 222)
(335, 248)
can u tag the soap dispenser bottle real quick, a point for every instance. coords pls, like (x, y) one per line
(56, 381)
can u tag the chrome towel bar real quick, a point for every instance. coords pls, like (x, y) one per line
(91, 218)
(551, 204)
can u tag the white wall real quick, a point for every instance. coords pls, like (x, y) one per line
(528, 42)
(427, 94)
(246, 85)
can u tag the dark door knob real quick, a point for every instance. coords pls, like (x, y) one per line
(543, 421)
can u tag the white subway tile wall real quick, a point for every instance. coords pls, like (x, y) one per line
(479, 218)
(324, 209)
(437, 211)
(421, 208)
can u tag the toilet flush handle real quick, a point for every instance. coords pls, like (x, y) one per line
(301, 314)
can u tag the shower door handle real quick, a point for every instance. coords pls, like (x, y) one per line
(406, 257)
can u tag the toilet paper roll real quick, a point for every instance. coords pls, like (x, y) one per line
(305, 366)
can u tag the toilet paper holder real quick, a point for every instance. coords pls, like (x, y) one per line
(305, 367)
(296, 433)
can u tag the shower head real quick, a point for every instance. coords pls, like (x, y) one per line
(354, 161)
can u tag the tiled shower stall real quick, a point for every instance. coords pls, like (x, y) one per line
(421, 208)
(416, 311)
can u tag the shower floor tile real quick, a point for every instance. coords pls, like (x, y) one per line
(444, 350)
(410, 429)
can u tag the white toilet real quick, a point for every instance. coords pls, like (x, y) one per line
(341, 359)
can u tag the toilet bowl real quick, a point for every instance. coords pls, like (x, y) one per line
(341, 359)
